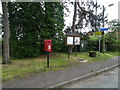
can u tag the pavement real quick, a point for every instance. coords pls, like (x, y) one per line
(54, 79)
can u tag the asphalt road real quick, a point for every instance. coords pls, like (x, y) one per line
(105, 80)
(53, 78)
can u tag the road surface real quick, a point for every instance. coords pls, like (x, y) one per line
(105, 80)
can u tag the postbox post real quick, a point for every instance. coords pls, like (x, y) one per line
(48, 59)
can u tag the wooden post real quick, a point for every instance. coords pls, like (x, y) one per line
(48, 55)
(68, 51)
(75, 51)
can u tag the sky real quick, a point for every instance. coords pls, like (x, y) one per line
(111, 11)
(119, 11)
(0, 8)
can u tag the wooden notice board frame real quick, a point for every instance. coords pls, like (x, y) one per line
(72, 39)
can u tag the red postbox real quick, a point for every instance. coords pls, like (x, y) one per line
(48, 45)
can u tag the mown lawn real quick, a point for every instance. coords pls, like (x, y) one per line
(20, 68)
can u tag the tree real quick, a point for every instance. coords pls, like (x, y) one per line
(6, 54)
(0, 34)
(29, 29)
(114, 25)
(86, 16)
(0, 24)
(113, 38)
(54, 24)
(25, 27)
(74, 16)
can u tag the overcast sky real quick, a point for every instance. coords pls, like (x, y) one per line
(111, 11)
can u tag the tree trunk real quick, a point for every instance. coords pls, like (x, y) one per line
(74, 17)
(103, 45)
(6, 53)
(73, 23)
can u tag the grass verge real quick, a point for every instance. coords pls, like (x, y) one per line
(20, 68)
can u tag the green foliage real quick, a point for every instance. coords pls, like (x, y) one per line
(93, 43)
(31, 24)
(54, 24)
(112, 41)
(112, 38)
(114, 25)
(24, 29)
